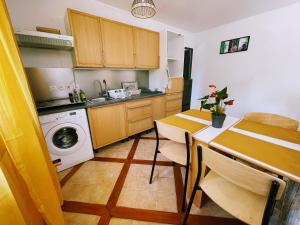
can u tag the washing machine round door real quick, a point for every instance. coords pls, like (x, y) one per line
(65, 139)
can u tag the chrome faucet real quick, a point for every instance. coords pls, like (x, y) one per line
(106, 89)
(100, 87)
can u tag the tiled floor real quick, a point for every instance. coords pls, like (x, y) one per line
(94, 182)
(138, 193)
(116, 221)
(146, 150)
(116, 150)
(80, 219)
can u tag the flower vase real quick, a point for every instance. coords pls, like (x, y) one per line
(218, 120)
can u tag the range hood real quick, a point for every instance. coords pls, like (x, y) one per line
(36, 39)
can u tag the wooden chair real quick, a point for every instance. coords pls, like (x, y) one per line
(272, 119)
(246, 193)
(176, 149)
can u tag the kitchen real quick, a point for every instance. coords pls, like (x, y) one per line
(104, 94)
(107, 94)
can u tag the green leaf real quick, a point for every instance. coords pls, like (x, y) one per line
(205, 97)
(207, 106)
(222, 95)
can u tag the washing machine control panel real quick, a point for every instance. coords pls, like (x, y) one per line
(62, 116)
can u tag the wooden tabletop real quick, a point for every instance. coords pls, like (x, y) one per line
(192, 124)
(275, 149)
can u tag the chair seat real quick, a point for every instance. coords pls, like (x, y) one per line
(174, 151)
(242, 204)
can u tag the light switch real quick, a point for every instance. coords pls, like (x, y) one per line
(52, 88)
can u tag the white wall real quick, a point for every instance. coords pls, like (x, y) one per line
(266, 77)
(31, 13)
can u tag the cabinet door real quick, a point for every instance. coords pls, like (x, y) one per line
(146, 48)
(107, 124)
(117, 44)
(86, 31)
(173, 103)
(159, 107)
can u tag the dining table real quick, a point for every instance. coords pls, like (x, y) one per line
(272, 149)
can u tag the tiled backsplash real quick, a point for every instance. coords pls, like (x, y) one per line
(48, 67)
(54, 83)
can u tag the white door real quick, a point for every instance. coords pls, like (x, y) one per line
(65, 139)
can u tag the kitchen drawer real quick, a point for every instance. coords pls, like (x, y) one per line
(171, 113)
(137, 104)
(174, 104)
(140, 126)
(170, 97)
(138, 113)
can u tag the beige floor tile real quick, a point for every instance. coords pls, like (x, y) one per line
(93, 182)
(80, 219)
(117, 221)
(138, 193)
(116, 150)
(151, 134)
(146, 150)
(63, 173)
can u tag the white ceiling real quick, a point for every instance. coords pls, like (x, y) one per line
(199, 15)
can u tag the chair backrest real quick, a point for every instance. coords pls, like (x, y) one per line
(173, 133)
(272, 119)
(241, 174)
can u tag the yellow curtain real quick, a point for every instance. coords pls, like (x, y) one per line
(8, 204)
(25, 164)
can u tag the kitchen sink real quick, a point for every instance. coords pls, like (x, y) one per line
(97, 100)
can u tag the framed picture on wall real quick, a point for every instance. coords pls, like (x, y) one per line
(235, 45)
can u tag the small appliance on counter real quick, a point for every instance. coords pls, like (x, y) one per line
(131, 87)
(128, 89)
(119, 93)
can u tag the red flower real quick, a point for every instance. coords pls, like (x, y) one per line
(229, 102)
(212, 86)
(213, 95)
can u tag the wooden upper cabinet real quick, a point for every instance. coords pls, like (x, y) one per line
(117, 44)
(101, 42)
(146, 48)
(86, 31)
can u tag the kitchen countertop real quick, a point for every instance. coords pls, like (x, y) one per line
(65, 108)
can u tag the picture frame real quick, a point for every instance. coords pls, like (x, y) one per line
(235, 45)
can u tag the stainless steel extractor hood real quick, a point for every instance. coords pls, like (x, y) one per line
(36, 39)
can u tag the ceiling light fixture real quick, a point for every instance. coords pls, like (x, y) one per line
(143, 9)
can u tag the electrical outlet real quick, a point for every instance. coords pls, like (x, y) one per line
(68, 87)
(52, 88)
(61, 88)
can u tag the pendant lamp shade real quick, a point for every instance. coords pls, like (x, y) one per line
(143, 9)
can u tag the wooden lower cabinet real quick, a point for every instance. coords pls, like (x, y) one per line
(159, 107)
(173, 103)
(107, 124)
(139, 116)
(112, 123)
(140, 126)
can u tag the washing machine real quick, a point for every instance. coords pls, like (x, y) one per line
(68, 138)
